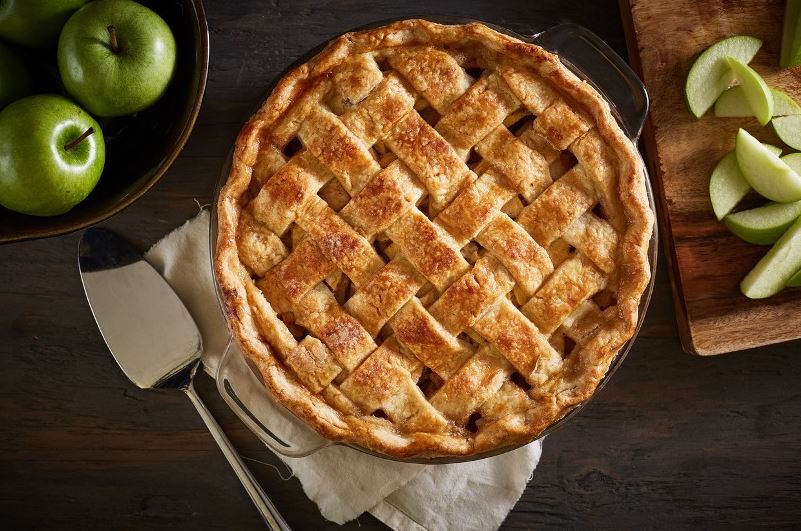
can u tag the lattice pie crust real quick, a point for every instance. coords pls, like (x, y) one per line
(433, 240)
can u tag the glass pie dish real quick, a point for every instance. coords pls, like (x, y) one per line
(592, 61)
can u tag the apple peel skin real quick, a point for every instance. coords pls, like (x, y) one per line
(791, 35)
(769, 175)
(795, 282)
(777, 267)
(35, 23)
(763, 225)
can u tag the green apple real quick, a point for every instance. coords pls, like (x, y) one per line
(777, 267)
(727, 186)
(763, 225)
(765, 171)
(35, 23)
(791, 36)
(15, 81)
(795, 281)
(51, 155)
(756, 91)
(732, 104)
(116, 57)
(788, 129)
(711, 74)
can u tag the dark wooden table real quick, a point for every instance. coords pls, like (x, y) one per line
(673, 440)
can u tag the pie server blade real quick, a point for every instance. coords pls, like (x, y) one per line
(152, 336)
(143, 322)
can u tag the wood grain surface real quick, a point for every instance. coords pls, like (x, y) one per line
(707, 261)
(673, 441)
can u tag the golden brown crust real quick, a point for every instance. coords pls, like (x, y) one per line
(512, 314)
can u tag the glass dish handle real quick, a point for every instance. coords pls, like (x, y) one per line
(595, 62)
(272, 423)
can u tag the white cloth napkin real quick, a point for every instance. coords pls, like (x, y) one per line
(343, 482)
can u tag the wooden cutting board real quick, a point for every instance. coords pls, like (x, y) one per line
(707, 262)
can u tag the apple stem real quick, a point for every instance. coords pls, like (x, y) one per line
(80, 139)
(115, 45)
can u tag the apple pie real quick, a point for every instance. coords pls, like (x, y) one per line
(433, 240)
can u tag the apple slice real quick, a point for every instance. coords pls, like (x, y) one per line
(732, 104)
(791, 36)
(727, 186)
(793, 160)
(788, 129)
(763, 225)
(783, 104)
(756, 91)
(777, 267)
(710, 75)
(765, 171)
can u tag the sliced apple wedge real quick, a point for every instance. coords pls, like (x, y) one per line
(788, 129)
(793, 160)
(756, 91)
(732, 104)
(763, 225)
(766, 172)
(777, 267)
(727, 186)
(783, 104)
(710, 75)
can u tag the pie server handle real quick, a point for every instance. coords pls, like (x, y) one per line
(267, 511)
(588, 56)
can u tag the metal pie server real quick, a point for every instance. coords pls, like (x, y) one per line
(152, 336)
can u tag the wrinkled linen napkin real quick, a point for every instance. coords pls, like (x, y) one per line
(343, 482)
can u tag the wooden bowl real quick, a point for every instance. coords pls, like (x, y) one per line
(139, 148)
